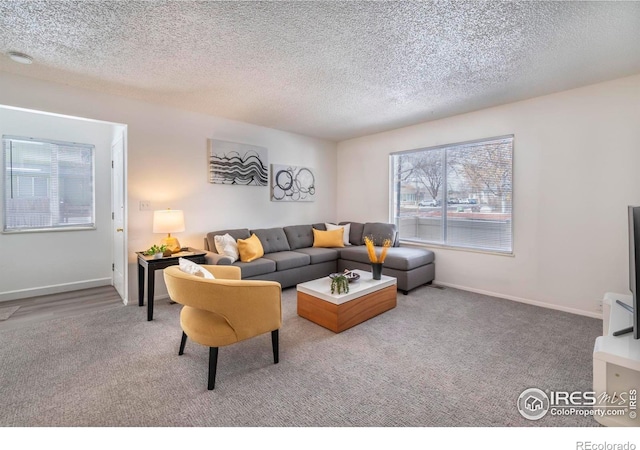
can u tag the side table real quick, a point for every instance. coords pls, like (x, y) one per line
(147, 266)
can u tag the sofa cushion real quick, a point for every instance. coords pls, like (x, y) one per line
(273, 239)
(328, 238)
(188, 266)
(347, 230)
(299, 236)
(399, 258)
(319, 226)
(320, 255)
(226, 245)
(379, 231)
(288, 260)
(355, 234)
(259, 266)
(250, 249)
(237, 233)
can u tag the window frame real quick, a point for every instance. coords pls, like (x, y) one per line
(54, 228)
(393, 196)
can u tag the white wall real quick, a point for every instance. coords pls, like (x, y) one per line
(60, 260)
(576, 168)
(167, 165)
(576, 164)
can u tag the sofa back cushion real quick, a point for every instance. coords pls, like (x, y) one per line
(272, 239)
(299, 236)
(355, 233)
(379, 231)
(237, 233)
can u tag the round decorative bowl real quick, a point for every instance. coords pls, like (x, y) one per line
(351, 276)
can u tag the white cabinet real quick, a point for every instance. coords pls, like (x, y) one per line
(616, 363)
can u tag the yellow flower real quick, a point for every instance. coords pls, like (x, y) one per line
(385, 247)
(371, 250)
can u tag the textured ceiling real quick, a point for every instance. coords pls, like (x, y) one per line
(333, 70)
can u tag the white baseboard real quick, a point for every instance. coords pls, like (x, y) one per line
(54, 289)
(580, 312)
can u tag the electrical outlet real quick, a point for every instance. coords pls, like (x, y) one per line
(145, 205)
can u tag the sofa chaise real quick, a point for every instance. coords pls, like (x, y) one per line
(291, 258)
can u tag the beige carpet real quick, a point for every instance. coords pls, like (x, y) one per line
(445, 358)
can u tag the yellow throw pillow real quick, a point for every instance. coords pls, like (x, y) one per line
(331, 238)
(250, 249)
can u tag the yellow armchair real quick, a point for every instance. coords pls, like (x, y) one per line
(224, 310)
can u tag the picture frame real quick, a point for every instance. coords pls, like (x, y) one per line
(292, 183)
(237, 164)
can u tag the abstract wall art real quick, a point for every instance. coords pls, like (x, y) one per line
(240, 164)
(292, 184)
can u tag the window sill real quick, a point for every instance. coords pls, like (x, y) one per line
(430, 246)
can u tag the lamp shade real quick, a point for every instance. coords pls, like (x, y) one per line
(168, 221)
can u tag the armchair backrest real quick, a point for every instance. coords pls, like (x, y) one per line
(250, 307)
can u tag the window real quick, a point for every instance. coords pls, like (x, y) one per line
(457, 195)
(48, 184)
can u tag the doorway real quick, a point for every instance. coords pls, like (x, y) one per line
(75, 258)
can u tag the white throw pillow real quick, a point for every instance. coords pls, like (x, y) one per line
(347, 230)
(192, 268)
(227, 246)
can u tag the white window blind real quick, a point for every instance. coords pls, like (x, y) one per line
(457, 195)
(49, 185)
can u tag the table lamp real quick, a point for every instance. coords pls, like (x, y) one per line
(169, 221)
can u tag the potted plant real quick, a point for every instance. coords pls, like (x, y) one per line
(340, 284)
(156, 252)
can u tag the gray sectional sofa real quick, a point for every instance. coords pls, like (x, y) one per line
(290, 258)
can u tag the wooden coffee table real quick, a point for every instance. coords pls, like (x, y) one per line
(366, 299)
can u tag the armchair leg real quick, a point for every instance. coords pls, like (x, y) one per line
(213, 364)
(183, 341)
(275, 345)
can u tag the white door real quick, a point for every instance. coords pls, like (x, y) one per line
(118, 200)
